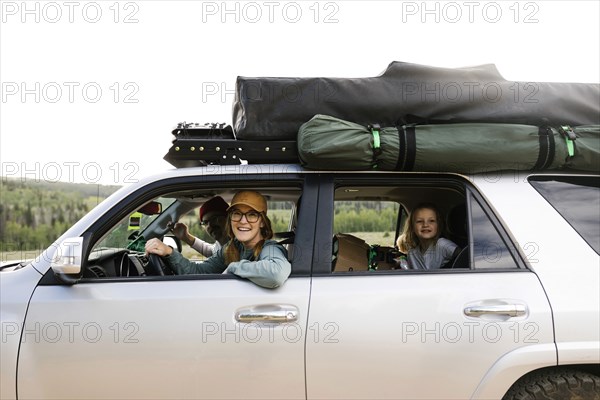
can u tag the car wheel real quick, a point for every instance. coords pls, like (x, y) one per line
(559, 384)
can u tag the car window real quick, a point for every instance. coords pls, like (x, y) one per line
(365, 234)
(279, 212)
(577, 199)
(374, 221)
(120, 252)
(128, 232)
(489, 249)
(367, 222)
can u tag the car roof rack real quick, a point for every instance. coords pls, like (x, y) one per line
(198, 145)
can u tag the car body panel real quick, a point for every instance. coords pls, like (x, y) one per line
(175, 338)
(16, 288)
(398, 332)
(376, 335)
(511, 366)
(567, 266)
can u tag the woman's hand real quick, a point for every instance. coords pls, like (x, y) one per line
(156, 246)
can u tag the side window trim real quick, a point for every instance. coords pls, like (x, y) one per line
(142, 194)
(323, 238)
(471, 241)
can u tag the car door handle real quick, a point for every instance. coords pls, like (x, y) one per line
(278, 313)
(510, 310)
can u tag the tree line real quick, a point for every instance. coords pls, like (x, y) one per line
(34, 214)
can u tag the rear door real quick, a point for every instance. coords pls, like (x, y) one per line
(407, 334)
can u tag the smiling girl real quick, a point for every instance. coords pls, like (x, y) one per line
(249, 254)
(421, 237)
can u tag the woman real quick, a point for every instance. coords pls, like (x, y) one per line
(249, 254)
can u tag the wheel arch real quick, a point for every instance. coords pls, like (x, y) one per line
(512, 367)
(542, 376)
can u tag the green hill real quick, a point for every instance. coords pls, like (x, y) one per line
(35, 213)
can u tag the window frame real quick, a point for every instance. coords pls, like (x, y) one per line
(307, 188)
(325, 214)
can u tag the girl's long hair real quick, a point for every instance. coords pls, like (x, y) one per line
(408, 239)
(232, 253)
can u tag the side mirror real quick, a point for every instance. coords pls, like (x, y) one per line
(152, 208)
(67, 260)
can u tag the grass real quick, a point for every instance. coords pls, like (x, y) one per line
(379, 238)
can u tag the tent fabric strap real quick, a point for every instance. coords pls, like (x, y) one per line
(547, 148)
(407, 150)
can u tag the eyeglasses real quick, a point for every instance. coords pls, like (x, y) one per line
(251, 216)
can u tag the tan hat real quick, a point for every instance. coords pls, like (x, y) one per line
(251, 199)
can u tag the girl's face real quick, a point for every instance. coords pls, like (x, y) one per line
(425, 224)
(247, 228)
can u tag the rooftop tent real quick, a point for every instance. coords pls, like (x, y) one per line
(275, 108)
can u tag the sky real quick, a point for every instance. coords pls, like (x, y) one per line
(90, 90)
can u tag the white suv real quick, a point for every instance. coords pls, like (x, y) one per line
(516, 316)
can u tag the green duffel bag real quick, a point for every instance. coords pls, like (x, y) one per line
(326, 142)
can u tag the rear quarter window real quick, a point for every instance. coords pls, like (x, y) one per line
(577, 200)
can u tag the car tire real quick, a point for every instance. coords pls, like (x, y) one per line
(559, 384)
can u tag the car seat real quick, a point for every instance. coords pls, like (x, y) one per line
(456, 225)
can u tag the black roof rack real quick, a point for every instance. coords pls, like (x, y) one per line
(215, 144)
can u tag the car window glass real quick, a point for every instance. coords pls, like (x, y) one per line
(120, 252)
(367, 221)
(364, 237)
(127, 231)
(373, 221)
(489, 249)
(577, 199)
(279, 213)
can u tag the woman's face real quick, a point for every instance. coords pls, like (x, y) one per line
(425, 224)
(248, 233)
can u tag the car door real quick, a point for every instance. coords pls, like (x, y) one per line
(196, 336)
(439, 334)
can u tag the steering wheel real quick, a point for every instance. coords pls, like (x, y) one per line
(157, 266)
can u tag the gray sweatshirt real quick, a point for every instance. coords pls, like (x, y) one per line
(434, 257)
(270, 270)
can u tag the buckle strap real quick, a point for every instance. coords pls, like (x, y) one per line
(375, 131)
(570, 137)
